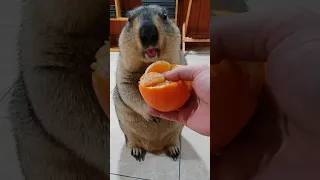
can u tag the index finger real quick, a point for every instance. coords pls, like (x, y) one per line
(253, 36)
(185, 73)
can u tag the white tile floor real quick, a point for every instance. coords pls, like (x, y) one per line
(195, 149)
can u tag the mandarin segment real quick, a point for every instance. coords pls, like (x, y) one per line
(151, 79)
(162, 84)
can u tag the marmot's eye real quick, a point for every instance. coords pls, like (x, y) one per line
(130, 19)
(164, 17)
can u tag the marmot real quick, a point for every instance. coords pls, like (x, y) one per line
(60, 129)
(148, 36)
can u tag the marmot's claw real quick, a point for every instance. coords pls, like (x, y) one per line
(153, 119)
(138, 154)
(156, 119)
(173, 152)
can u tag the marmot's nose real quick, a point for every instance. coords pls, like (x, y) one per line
(148, 34)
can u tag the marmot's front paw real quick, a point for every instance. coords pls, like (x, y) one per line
(173, 152)
(138, 153)
(150, 118)
(155, 119)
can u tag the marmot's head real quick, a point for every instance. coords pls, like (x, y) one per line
(149, 36)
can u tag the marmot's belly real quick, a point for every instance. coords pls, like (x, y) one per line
(157, 137)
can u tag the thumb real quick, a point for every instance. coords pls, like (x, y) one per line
(184, 73)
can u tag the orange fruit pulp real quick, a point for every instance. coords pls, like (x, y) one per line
(234, 92)
(161, 94)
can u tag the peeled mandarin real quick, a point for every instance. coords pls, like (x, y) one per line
(161, 94)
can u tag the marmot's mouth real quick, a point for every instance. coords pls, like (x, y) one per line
(151, 52)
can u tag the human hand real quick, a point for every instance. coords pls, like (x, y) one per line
(288, 117)
(195, 114)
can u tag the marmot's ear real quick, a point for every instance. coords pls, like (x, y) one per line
(129, 14)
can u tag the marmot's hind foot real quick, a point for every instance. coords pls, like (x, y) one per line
(138, 153)
(173, 152)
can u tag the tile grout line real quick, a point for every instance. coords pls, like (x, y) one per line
(128, 176)
(180, 156)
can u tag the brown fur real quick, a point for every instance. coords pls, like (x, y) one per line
(144, 132)
(60, 129)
